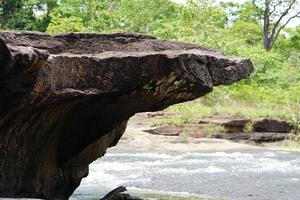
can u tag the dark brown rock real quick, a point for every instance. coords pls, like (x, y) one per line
(125, 197)
(156, 114)
(166, 130)
(268, 137)
(204, 131)
(272, 125)
(65, 99)
(232, 136)
(231, 125)
(190, 130)
(256, 137)
(118, 194)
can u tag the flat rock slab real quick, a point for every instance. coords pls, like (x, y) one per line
(231, 125)
(202, 131)
(66, 98)
(225, 121)
(272, 125)
(269, 137)
(165, 130)
(255, 136)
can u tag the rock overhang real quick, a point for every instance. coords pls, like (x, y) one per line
(68, 97)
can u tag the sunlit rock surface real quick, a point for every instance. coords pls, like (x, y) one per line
(65, 99)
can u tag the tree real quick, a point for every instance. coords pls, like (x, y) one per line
(294, 40)
(276, 16)
(26, 14)
(141, 16)
(7, 11)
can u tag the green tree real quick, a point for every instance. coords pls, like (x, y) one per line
(294, 39)
(67, 17)
(141, 16)
(25, 14)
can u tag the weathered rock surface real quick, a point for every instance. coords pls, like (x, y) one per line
(207, 130)
(118, 194)
(272, 125)
(231, 125)
(269, 137)
(65, 99)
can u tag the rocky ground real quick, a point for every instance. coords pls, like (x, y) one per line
(140, 134)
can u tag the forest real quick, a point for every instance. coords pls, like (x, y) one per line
(257, 29)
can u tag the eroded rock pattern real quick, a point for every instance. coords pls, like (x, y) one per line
(65, 99)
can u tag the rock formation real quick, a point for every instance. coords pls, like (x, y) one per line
(119, 194)
(66, 98)
(273, 125)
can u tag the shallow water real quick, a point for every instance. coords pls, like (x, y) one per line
(258, 175)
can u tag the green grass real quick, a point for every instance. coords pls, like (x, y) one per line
(197, 109)
(212, 128)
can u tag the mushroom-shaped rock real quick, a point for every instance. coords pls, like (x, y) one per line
(66, 98)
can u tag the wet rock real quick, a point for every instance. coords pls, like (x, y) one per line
(272, 125)
(65, 99)
(118, 194)
(125, 197)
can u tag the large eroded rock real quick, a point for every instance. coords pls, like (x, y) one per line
(65, 99)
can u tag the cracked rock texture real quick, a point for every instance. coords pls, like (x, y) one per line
(65, 99)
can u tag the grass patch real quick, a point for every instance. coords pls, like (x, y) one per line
(189, 111)
(212, 128)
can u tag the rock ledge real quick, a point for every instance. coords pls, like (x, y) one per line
(66, 98)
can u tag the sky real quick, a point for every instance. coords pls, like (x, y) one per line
(293, 23)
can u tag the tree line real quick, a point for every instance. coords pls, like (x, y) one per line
(36, 15)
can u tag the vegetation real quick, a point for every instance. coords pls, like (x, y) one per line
(237, 29)
(273, 18)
